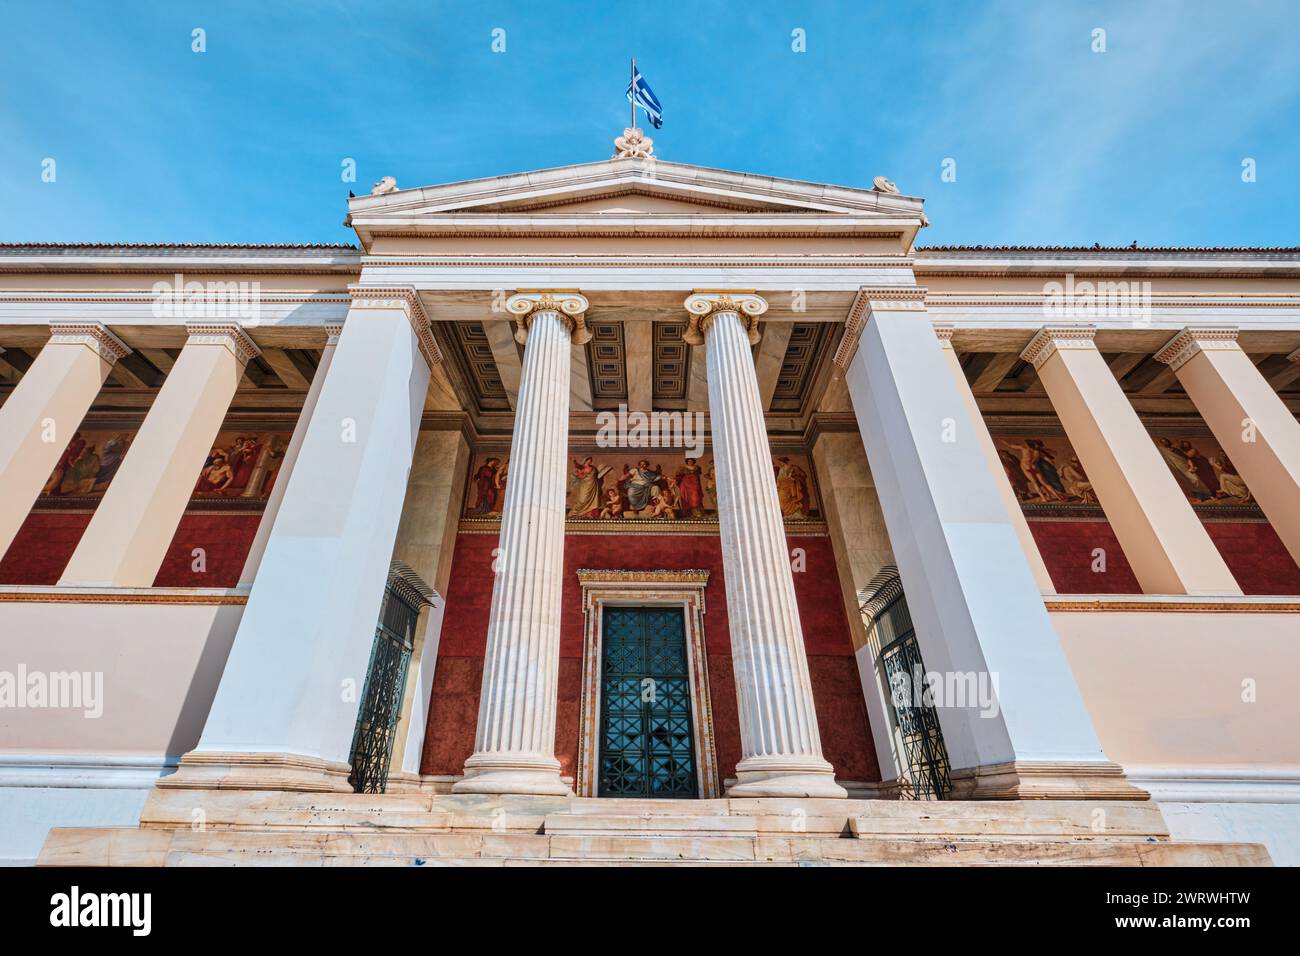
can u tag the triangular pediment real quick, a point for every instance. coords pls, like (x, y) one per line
(627, 191)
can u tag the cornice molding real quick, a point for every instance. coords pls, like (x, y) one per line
(597, 576)
(1048, 340)
(226, 334)
(406, 298)
(94, 335)
(1193, 340)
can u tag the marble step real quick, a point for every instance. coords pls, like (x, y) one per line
(649, 824)
(1029, 819)
(287, 847)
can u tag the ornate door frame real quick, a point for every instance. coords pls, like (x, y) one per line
(684, 589)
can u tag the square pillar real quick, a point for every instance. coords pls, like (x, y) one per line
(43, 412)
(127, 539)
(1257, 432)
(258, 548)
(285, 711)
(1165, 543)
(1019, 728)
(990, 452)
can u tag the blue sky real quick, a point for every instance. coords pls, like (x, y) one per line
(1053, 142)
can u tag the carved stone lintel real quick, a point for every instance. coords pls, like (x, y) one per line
(93, 335)
(1191, 341)
(1053, 337)
(703, 306)
(570, 307)
(228, 334)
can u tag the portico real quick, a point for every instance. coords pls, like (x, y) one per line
(435, 411)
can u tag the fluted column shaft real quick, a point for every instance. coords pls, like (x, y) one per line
(780, 742)
(514, 747)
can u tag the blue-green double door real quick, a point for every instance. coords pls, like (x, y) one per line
(647, 748)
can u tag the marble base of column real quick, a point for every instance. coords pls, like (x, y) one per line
(514, 773)
(785, 777)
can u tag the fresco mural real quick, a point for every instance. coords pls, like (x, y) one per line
(606, 485)
(1045, 470)
(241, 464)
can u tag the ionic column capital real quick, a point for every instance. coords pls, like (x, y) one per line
(227, 334)
(568, 306)
(704, 305)
(94, 335)
(406, 299)
(1193, 340)
(1053, 338)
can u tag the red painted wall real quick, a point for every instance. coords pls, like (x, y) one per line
(1252, 550)
(453, 710)
(45, 543)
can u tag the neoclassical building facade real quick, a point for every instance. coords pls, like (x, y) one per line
(584, 512)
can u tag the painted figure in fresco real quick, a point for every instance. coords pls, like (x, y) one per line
(79, 479)
(244, 455)
(268, 465)
(489, 483)
(690, 489)
(1184, 471)
(1230, 483)
(1200, 465)
(710, 488)
(613, 506)
(661, 506)
(70, 454)
(1044, 463)
(110, 458)
(1076, 481)
(1011, 465)
(791, 488)
(640, 484)
(216, 474)
(585, 486)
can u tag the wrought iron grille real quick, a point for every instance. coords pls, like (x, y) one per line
(381, 700)
(647, 741)
(916, 719)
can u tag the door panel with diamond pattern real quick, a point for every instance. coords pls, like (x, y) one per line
(646, 744)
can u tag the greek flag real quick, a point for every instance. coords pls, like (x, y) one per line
(639, 92)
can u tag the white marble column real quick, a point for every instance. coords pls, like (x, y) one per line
(258, 548)
(1013, 718)
(780, 742)
(284, 713)
(1255, 429)
(43, 412)
(127, 538)
(514, 748)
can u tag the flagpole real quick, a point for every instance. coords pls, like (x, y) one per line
(632, 89)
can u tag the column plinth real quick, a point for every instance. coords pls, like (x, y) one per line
(780, 741)
(514, 745)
